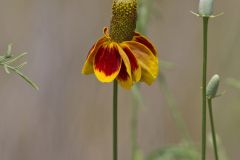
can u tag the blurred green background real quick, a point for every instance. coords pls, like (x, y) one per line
(69, 118)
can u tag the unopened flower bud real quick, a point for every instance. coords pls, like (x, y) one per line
(123, 21)
(205, 8)
(212, 86)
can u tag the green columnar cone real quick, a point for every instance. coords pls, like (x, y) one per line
(123, 21)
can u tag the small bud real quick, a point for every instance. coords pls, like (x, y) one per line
(123, 21)
(212, 86)
(205, 8)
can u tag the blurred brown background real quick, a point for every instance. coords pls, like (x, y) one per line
(69, 118)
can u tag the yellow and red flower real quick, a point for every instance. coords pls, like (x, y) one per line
(128, 61)
(123, 54)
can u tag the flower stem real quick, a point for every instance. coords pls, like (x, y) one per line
(213, 128)
(204, 83)
(137, 101)
(171, 103)
(134, 124)
(115, 118)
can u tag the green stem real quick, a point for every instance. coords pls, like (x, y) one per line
(144, 12)
(115, 118)
(213, 128)
(204, 83)
(134, 120)
(134, 131)
(171, 103)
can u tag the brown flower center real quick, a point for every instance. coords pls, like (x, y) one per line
(123, 21)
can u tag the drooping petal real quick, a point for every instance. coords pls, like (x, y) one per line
(147, 77)
(106, 32)
(124, 78)
(107, 62)
(147, 60)
(143, 40)
(126, 60)
(88, 65)
(135, 67)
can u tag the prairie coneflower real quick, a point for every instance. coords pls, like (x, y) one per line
(122, 53)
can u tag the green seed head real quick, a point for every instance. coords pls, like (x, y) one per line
(123, 21)
(205, 8)
(212, 86)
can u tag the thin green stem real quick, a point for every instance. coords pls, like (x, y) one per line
(213, 129)
(134, 119)
(115, 118)
(171, 103)
(134, 130)
(144, 12)
(204, 83)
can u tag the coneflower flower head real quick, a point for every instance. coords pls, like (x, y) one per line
(122, 53)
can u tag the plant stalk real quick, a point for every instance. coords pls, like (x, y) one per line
(171, 103)
(134, 120)
(204, 83)
(115, 118)
(213, 129)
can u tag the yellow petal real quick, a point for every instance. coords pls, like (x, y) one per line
(88, 65)
(125, 61)
(135, 67)
(107, 62)
(145, 41)
(146, 59)
(124, 78)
